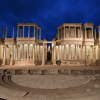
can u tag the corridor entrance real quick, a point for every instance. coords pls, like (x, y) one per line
(51, 54)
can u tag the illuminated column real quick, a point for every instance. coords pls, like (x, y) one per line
(39, 52)
(4, 59)
(22, 51)
(19, 51)
(85, 52)
(36, 52)
(58, 52)
(43, 61)
(81, 53)
(37, 33)
(95, 34)
(34, 31)
(93, 53)
(69, 51)
(54, 60)
(65, 52)
(28, 51)
(6, 31)
(13, 31)
(23, 31)
(75, 52)
(16, 51)
(12, 51)
(33, 51)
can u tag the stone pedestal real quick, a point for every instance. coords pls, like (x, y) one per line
(4, 61)
(12, 61)
(43, 62)
(54, 62)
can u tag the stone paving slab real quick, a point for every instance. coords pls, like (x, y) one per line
(49, 81)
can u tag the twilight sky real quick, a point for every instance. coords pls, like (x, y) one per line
(47, 14)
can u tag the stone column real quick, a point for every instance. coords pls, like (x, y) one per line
(18, 32)
(92, 32)
(28, 31)
(69, 51)
(22, 51)
(58, 34)
(28, 51)
(65, 52)
(85, 54)
(4, 59)
(36, 52)
(58, 52)
(75, 52)
(16, 51)
(81, 53)
(80, 33)
(23, 31)
(6, 31)
(34, 31)
(43, 60)
(40, 35)
(95, 34)
(12, 56)
(19, 51)
(54, 60)
(75, 31)
(39, 52)
(13, 31)
(93, 53)
(33, 55)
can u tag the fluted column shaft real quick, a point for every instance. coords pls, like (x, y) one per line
(16, 51)
(28, 52)
(33, 51)
(22, 51)
(12, 51)
(69, 51)
(65, 52)
(5, 52)
(75, 52)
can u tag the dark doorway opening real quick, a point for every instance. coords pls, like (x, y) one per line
(48, 56)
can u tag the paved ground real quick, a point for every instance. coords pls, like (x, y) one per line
(49, 81)
(50, 67)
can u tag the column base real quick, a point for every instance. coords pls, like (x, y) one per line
(54, 62)
(43, 62)
(12, 61)
(4, 61)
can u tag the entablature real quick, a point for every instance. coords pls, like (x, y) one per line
(10, 41)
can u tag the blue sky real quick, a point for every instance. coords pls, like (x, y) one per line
(48, 14)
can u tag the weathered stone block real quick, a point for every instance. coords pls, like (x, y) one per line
(18, 71)
(64, 71)
(10, 71)
(35, 71)
(50, 71)
(25, 71)
(78, 72)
